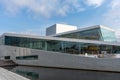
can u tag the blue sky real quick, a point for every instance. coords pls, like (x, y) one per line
(33, 16)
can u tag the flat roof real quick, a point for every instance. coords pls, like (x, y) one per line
(82, 29)
(61, 39)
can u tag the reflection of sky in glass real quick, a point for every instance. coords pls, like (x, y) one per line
(108, 35)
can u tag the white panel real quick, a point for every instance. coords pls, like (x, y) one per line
(59, 28)
(64, 28)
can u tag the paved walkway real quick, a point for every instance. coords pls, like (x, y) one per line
(7, 75)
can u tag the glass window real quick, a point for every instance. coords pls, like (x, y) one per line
(31, 57)
(59, 46)
(92, 34)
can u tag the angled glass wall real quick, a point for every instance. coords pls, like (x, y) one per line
(91, 34)
(99, 34)
(108, 35)
(60, 46)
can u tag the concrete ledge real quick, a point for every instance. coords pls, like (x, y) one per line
(7, 75)
(4, 63)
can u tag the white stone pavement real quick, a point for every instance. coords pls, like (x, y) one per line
(7, 75)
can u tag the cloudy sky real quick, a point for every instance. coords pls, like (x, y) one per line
(33, 16)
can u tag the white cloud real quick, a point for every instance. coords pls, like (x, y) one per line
(95, 3)
(112, 16)
(45, 8)
(115, 4)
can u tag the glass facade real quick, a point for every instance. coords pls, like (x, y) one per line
(60, 46)
(108, 36)
(92, 34)
(25, 42)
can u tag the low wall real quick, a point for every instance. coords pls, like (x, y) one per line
(61, 60)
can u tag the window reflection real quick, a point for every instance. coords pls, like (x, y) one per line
(60, 46)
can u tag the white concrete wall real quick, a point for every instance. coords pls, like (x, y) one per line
(13, 51)
(59, 28)
(64, 28)
(51, 59)
(51, 30)
(61, 60)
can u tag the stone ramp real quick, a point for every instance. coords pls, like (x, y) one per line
(7, 75)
